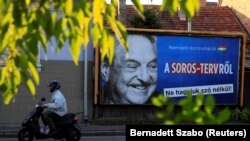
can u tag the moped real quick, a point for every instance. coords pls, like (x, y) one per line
(68, 127)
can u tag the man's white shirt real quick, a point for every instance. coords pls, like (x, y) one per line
(58, 103)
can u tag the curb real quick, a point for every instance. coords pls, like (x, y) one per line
(85, 129)
(8, 134)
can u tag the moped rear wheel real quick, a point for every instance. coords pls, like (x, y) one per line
(74, 135)
(25, 134)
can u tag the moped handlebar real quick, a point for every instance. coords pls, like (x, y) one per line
(40, 103)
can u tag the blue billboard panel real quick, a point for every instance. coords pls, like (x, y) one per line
(169, 65)
(208, 65)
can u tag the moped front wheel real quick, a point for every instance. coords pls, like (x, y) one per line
(25, 134)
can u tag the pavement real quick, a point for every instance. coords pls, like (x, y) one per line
(9, 131)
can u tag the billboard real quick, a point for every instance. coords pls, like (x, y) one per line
(171, 62)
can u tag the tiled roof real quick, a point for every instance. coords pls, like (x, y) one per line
(208, 19)
(241, 9)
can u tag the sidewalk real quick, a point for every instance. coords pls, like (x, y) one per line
(86, 130)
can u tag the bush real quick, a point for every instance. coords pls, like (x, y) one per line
(245, 114)
(235, 114)
(194, 110)
(151, 20)
(240, 114)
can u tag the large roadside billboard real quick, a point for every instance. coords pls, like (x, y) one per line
(201, 62)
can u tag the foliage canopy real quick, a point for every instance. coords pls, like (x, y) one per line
(27, 24)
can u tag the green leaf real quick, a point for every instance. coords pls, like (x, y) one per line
(164, 5)
(34, 72)
(75, 48)
(123, 32)
(112, 8)
(27, 2)
(32, 44)
(6, 38)
(68, 7)
(169, 108)
(86, 6)
(104, 45)
(161, 115)
(199, 120)
(43, 41)
(114, 2)
(22, 60)
(159, 101)
(223, 116)
(63, 23)
(53, 19)
(7, 96)
(31, 86)
(198, 102)
(7, 16)
(138, 7)
(119, 30)
(86, 22)
(78, 18)
(3, 75)
(156, 102)
(209, 104)
(98, 9)
(169, 122)
(186, 100)
(96, 34)
(170, 5)
(190, 7)
(196, 5)
(61, 41)
(17, 77)
(111, 44)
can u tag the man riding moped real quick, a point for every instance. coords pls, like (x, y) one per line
(61, 125)
(55, 109)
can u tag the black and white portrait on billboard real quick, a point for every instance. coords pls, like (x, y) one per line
(132, 76)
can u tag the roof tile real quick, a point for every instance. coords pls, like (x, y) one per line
(208, 19)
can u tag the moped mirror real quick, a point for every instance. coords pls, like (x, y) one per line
(43, 99)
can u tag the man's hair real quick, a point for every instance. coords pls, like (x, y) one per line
(151, 38)
(116, 59)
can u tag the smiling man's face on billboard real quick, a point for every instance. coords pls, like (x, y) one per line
(133, 75)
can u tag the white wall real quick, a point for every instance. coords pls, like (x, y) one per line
(64, 54)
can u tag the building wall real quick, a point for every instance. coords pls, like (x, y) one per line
(242, 10)
(202, 3)
(71, 78)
